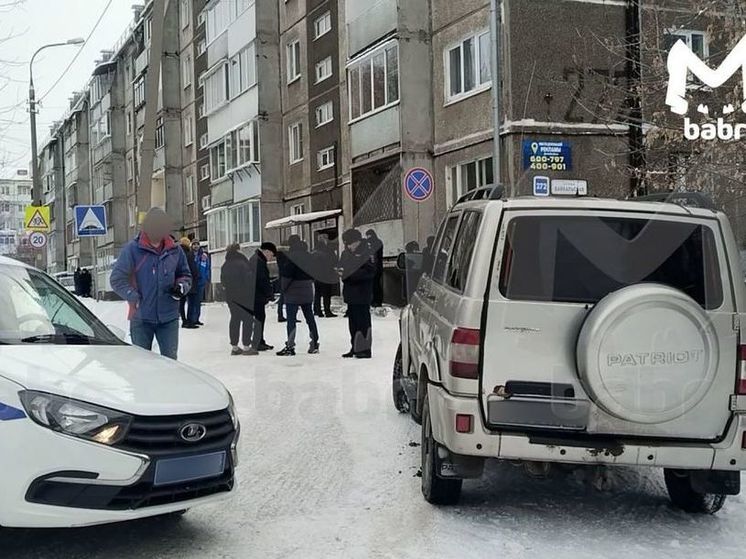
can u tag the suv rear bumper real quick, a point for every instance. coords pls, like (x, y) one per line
(726, 455)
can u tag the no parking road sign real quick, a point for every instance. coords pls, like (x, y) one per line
(419, 184)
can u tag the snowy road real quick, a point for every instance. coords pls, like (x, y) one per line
(328, 471)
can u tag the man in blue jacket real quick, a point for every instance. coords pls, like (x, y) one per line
(152, 275)
(202, 281)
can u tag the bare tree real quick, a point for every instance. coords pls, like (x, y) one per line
(10, 113)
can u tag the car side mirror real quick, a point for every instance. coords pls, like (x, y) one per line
(401, 261)
(409, 261)
(118, 332)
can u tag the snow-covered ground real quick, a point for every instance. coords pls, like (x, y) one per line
(329, 469)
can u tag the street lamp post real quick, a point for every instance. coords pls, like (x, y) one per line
(36, 185)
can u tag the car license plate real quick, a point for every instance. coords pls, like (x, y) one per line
(189, 468)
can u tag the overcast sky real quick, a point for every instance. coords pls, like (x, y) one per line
(31, 25)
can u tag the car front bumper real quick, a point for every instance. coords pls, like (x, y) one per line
(481, 442)
(48, 480)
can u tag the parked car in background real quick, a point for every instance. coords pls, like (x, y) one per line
(66, 279)
(99, 431)
(581, 331)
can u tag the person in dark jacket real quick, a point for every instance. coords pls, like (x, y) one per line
(375, 246)
(152, 275)
(187, 304)
(325, 277)
(264, 291)
(203, 278)
(358, 270)
(236, 277)
(76, 282)
(297, 289)
(86, 283)
(428, 256)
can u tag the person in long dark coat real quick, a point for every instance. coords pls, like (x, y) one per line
(325, 277)
(76, 282)
(297, 289)
(358, 270)
(236, 279)
(376, 248)
(263, 292)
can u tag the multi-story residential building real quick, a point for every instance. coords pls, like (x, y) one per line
(73, 135)
(195, 155)
(241, 102)
(312, 77)
(51, 175)
(15, 196)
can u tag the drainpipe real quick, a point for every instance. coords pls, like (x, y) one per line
(495, 28)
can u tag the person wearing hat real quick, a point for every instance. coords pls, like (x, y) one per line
(152, 274)
(358, 270)
(191, 298)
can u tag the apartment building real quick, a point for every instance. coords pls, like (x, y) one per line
(15, 195)
(312, 82)
(51, 175)
(73, 134)
(242, 107)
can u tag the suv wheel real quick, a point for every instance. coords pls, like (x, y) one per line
(401, 402)
(685, 497)
(436, 490)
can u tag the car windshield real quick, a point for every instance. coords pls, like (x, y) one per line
(36, 310)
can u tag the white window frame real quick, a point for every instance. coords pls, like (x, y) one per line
(297, 209)
(190, 194)
(322, 112)
(215, 170)
(479, 86)
(186, 71)
(293, 53)
(204, 141)
(216, 85)
(233, 138)
(455, 187)
(367, 60)
(322, 25)
(295, 143)
(188, 130)
(324, 69)
(243, 71)
(201, 47)
(204, 172)
(687, 35)
(328, 155)
(185, 13)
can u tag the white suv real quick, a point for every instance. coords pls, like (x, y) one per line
(583, 331)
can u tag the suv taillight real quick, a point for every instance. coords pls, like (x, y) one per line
(465, 353)
(741, 384)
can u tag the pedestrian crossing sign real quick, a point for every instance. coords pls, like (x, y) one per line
(37, 219)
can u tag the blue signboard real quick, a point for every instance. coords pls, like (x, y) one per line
(547, 156)
(541, 186)
(419, 184)
(90, 221)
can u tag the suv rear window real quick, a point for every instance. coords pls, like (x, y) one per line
(578, 259)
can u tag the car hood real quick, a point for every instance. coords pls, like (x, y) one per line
(123, 378)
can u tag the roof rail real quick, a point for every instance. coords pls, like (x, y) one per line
(489, 192)
(689, 199)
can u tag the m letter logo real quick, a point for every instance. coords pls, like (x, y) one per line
(681, 61)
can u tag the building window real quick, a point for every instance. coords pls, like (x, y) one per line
(297, 209)
(139, 91)
(243, 71)
(189, 192)
(201, 18)
(695, 40)
(130, 168)
(468, 66)
(186, 13)
(187, 71)
(148, 31)
(374, 82)
(160, 137)
(325, 158)
(131, 212)
(204, 139)
(322, 25)
(324, 114)
(201, 47)
(293, 54)
(218, 168)
(188, 130)
(216, 86)
(466, 177)
(129, 123)
(324, 69)
(295, 134)
(204, 172)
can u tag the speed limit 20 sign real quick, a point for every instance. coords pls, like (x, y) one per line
(37, 240)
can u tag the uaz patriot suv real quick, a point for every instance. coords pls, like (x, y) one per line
(581, 331)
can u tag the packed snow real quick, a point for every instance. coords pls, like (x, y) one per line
(329, 469)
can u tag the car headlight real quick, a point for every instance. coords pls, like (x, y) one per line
(232, 412)
(75, 418)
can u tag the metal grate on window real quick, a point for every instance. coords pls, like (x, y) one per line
(376, 193)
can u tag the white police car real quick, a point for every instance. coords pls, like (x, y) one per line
(93, 430)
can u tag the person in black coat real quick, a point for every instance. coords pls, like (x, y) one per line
(76, 281)
(376, 248)
(297, 289)
(186, 246)
(358, 269)
(86, 283)
(263, 290)
(325, 277)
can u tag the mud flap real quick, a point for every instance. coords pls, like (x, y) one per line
(456, 466)
(715, 482)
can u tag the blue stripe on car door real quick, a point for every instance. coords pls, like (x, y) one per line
(8, 413)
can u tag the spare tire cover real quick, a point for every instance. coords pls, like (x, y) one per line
(647, 353)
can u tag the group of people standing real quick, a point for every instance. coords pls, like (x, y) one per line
(83, 282)
(306, 284)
